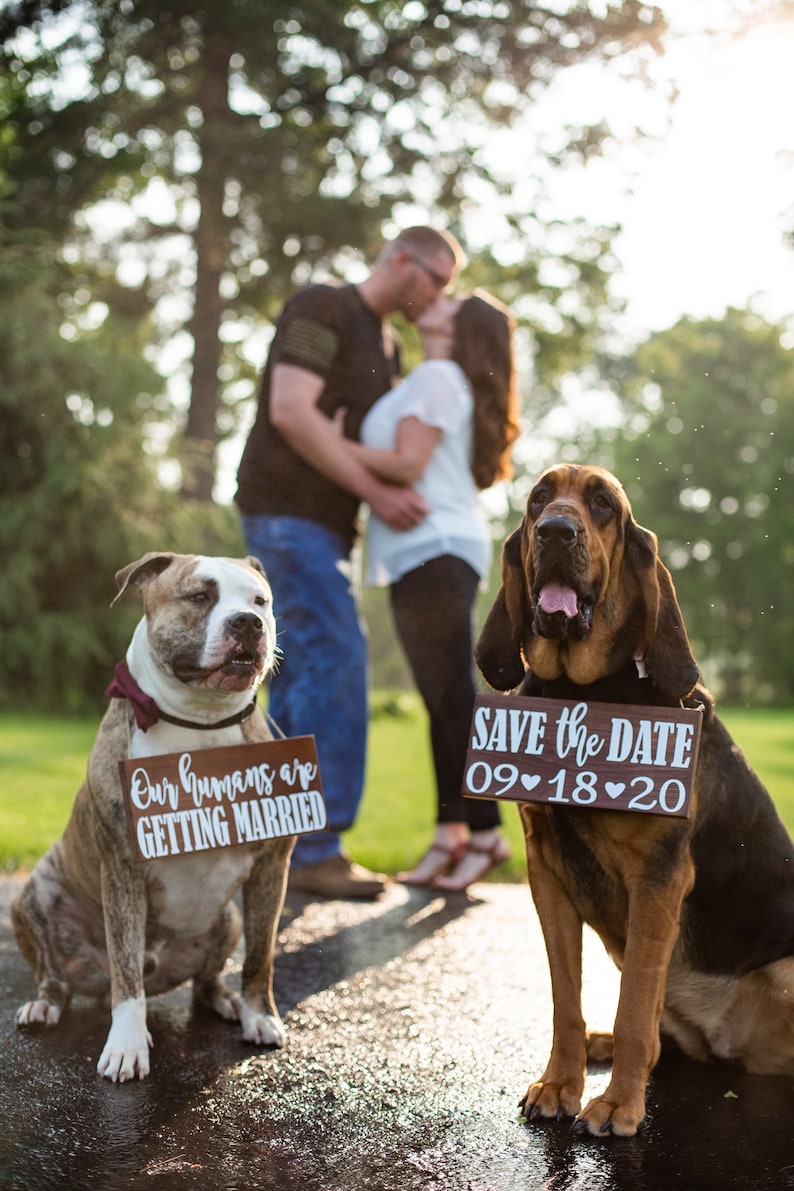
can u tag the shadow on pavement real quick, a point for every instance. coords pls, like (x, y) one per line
(414, 1025)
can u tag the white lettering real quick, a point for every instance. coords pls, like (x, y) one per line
(634, 743)
(481, 716)
(172, 840)
(259, 778)
(643, 753)
(258, 827)
(242, 821)
(238, 781)
(144, 835)
(682, 749)
(271, 826)
(183, 818)
(285, 815)
(518, 722)
(537, 731)
(298, 812)
(620, 740)
(572, 735)
(201, 821)
(663, 730)
(220, 827)
(304, 772)
(508, 729)
(316, 815)
(144, 792)
(498, 738)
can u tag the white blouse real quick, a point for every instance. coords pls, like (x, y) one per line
(438, 394)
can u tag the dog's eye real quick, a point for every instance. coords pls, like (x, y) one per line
(539, 498)
(261, 601)
(601, 503)
(197, 597)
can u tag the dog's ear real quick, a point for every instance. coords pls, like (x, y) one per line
(498, 650)
(141, 572)
(667, 653)
(255, 564)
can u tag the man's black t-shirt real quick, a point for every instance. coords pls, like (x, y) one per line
(328, 330)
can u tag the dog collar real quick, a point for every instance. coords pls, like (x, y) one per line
(147, 713)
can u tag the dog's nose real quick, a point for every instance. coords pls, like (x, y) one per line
(557, 531)
(246, 624)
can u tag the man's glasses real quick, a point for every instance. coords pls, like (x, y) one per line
(438, 279)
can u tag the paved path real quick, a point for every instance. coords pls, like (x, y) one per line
(414, 1024)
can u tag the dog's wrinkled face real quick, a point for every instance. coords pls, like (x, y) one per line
(209, 621)
(575, 532)
(584, 592)
(217, 630)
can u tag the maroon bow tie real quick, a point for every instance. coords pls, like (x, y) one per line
(147, 713)
(124, 686)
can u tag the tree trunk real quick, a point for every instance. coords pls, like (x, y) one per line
(211, 247)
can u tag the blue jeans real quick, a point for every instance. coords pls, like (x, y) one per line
(320, 687)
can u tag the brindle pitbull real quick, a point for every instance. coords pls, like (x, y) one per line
(90, 920)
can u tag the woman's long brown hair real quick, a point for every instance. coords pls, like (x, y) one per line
(483, 349)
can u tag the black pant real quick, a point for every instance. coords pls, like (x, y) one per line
(432, 608)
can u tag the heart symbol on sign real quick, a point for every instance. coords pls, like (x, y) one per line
(529, 781)
(614, 789)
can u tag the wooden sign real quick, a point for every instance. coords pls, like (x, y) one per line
(607, 755)
(180, 803)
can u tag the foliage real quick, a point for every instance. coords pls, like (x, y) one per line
(79, 497)
(707, 455)
(244, 147)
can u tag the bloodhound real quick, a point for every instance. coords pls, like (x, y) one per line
(697, 913)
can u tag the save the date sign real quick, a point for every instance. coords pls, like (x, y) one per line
(180, 803)
(579, 754)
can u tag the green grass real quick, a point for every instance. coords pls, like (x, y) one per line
(398, 812)
(43, 760)
(767, 740)
(42, 764)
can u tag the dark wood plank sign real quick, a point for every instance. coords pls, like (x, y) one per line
(602, 755)
(179, 803)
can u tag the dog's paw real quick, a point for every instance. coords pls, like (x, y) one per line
(600, 1047)
(216, 996)
(607, 1114)
(263, 1029)
(126, 1053)
(549, 1099)
(228, 1006)
(38, 1013)
(121, 1065)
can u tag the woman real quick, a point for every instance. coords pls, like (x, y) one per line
(446, 429)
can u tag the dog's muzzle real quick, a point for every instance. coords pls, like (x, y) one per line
(246, 630)
(238, 660)
(562, 610)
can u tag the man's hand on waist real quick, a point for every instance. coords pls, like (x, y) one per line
(401, 508)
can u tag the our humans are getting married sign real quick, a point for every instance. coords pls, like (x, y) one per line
(218, 798)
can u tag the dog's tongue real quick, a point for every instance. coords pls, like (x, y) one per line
(556, 598)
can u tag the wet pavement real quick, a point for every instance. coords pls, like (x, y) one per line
(414, 1025)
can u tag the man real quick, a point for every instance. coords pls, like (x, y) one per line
(299, 493)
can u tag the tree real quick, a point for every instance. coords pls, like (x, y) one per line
(267, 143)
(79, 498)
(707, 455)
